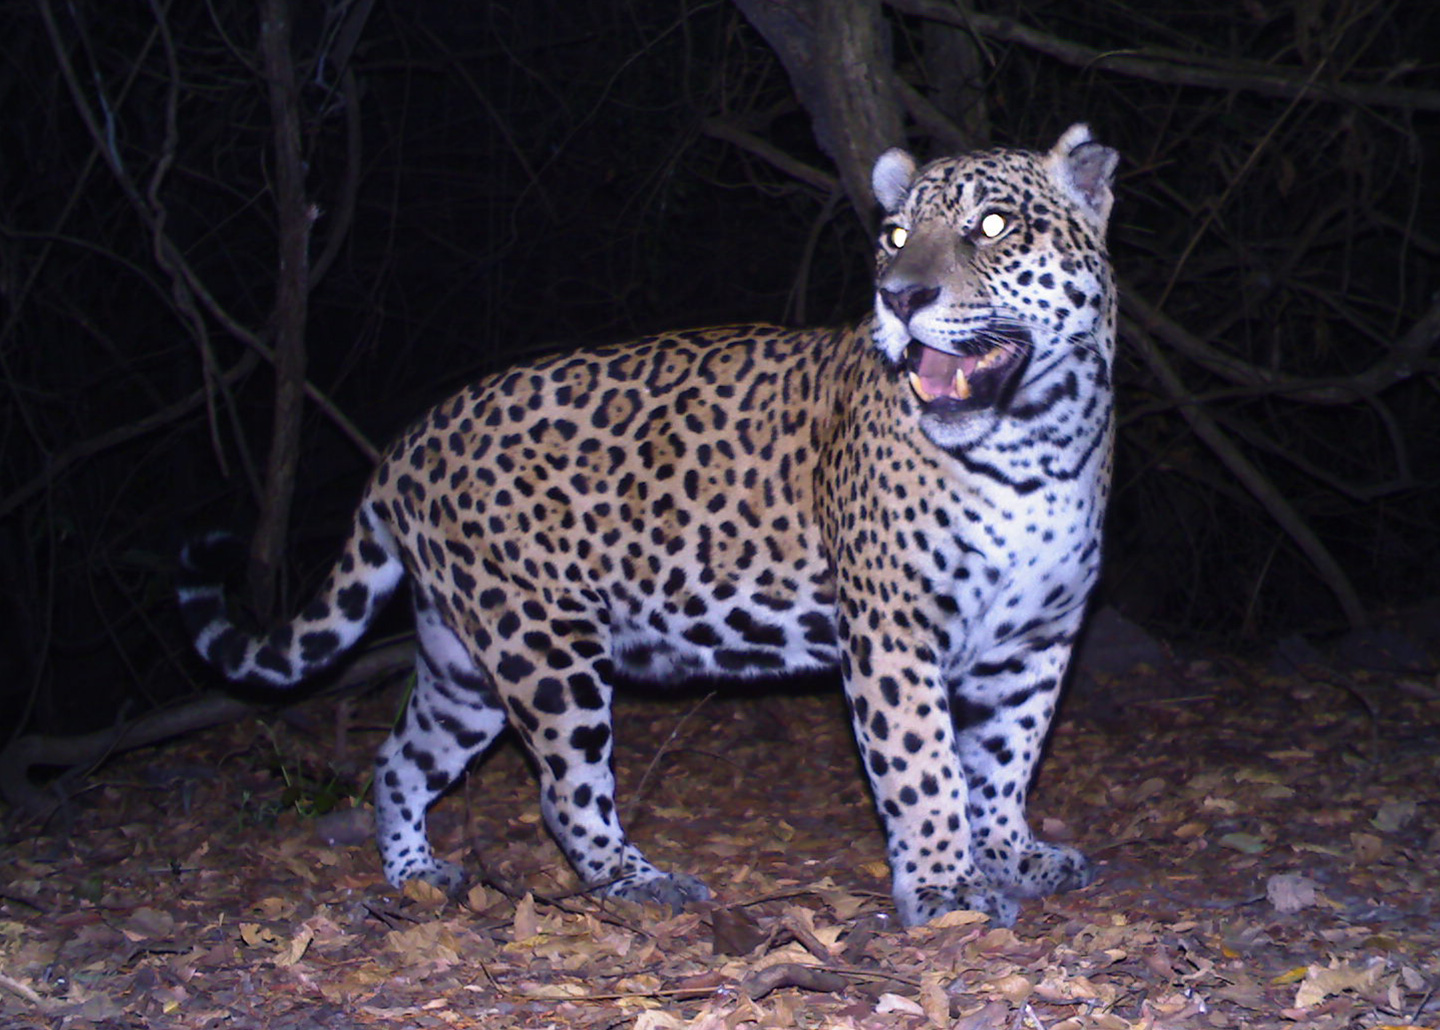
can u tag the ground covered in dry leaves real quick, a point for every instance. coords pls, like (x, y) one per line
(1267, 842)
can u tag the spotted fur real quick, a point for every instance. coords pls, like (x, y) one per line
(754, 499)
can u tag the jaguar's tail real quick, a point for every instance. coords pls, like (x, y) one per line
(365, 576)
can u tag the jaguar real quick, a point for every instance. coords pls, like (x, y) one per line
(915, 500)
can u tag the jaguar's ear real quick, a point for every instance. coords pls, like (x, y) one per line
(891, 179)
(1084, 170)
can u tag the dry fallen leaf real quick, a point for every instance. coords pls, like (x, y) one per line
(423, 944)
(1321, 983)
(934, 1001)
(1367, 848)
(987, 1017)
(1289, 892)
(424, 893)
(257, 936)
(293, 951)
(147, 923)
(960, 917)
(527, 921)
(1159, 941)
(1014, 988)
(1395, 815)
(895, 1003)
(1245, 843)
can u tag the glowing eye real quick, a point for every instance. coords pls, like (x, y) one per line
(896, 236)
(992, 225)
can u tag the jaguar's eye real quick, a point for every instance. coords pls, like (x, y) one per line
(993, 225)
(895, 235)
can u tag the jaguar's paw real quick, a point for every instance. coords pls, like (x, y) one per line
(668, 890)
(927, 903)
(1043, 869)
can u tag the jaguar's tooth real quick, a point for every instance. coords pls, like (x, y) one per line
(992, 357)
(918, 385)
(962, 387)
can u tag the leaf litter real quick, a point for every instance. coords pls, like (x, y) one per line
(1263, 864)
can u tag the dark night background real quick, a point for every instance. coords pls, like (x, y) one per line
(496, 178)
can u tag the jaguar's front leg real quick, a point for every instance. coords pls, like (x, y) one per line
(1003, 707)
(907, 742)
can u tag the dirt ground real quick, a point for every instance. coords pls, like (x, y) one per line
(1267, 845)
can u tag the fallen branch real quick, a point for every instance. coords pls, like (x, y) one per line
(19, 988)
(791, 974)
(211, 709)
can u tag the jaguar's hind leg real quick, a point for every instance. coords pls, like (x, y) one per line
(453, 715)
(556, 688)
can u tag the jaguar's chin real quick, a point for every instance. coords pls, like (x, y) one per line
(984, 376)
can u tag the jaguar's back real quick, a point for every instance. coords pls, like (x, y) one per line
(663, 489)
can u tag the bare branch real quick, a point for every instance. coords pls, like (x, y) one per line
(344, 214)
(1249, 475)
(171, 258)
(949, 135)
(1157, 64)
(1404, 479)
(770, 153)
(1408, 357)
(78, 452)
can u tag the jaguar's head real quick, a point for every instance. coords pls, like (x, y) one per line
(991, 268)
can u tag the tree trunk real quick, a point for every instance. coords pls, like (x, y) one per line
(293, 220)
(955, 72)
(837, 53)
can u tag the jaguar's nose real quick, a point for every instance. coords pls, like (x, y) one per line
(907, 300)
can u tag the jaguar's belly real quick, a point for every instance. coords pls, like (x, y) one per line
(740, 642)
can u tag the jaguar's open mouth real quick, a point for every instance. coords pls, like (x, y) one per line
(964, 382)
